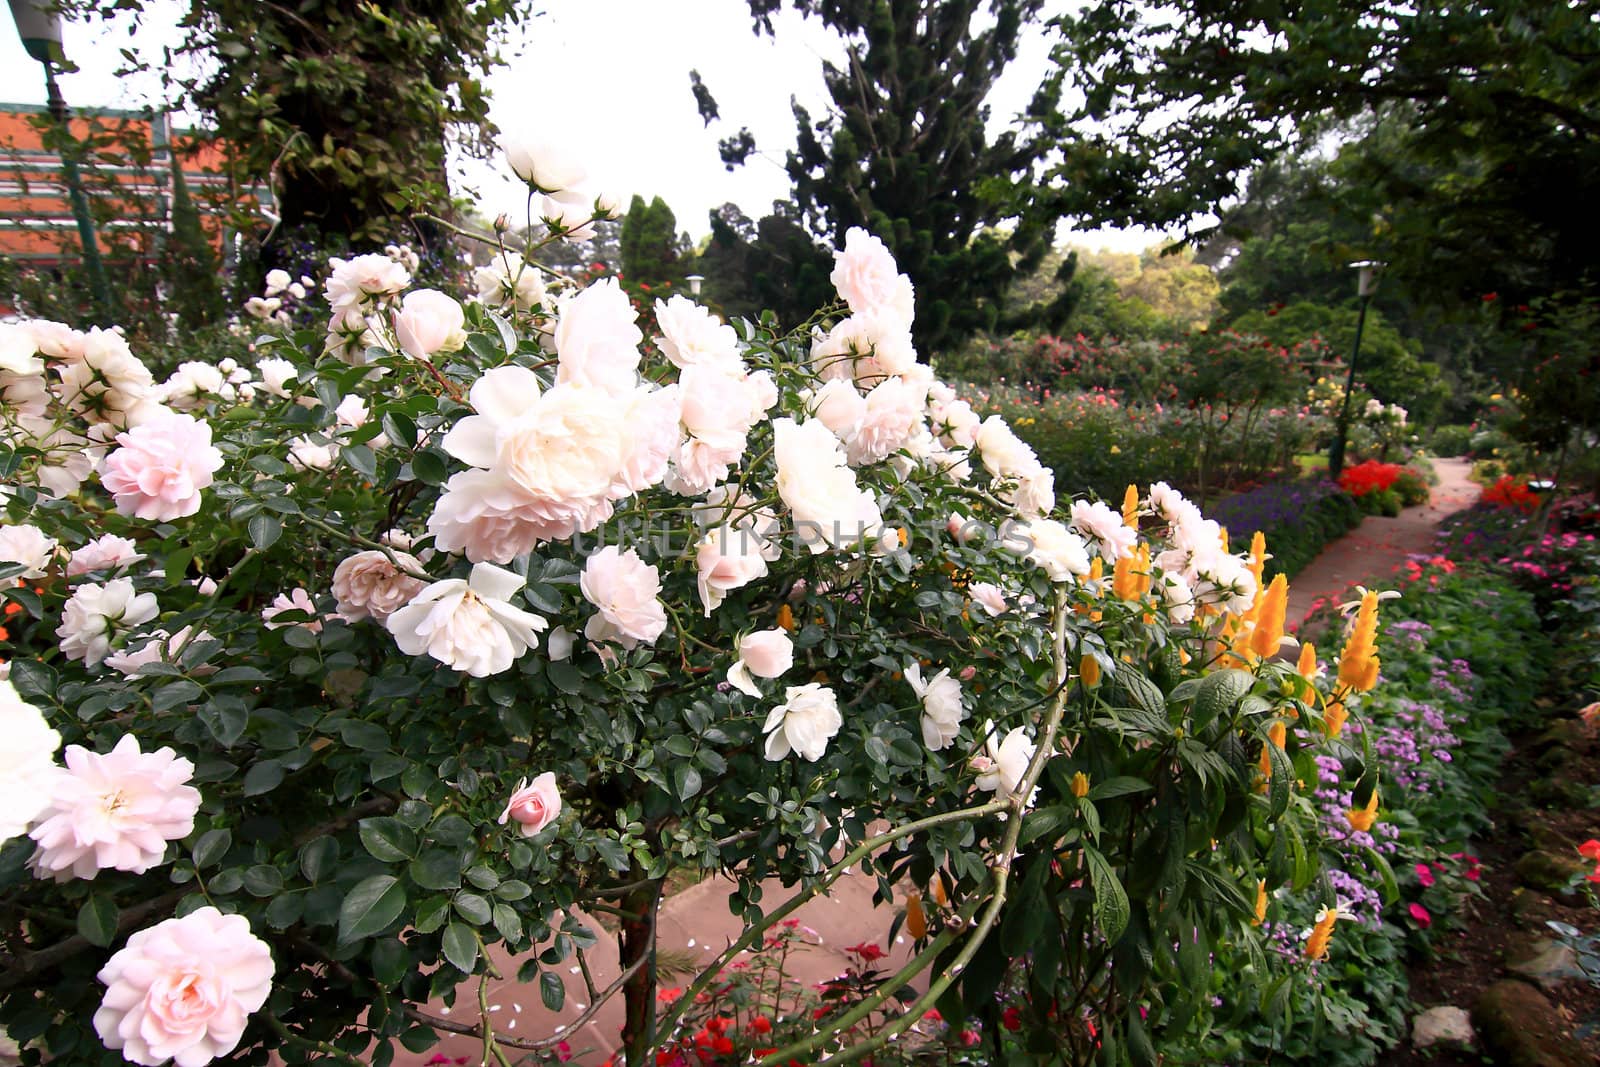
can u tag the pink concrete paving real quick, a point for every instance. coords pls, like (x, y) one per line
(1369, 554)
(696, 923)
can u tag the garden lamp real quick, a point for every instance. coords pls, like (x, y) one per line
(695, 281)
(39, 26)
(1366, 284)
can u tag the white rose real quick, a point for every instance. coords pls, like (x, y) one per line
(469, 625)
(27, 762)
(596, 340)
(1004, 454)
(96, 614)
(27, 545)
(867, 278)
(805, 722)
(1056, 549)
(942, 710)
(691, 335)
(1007, 763)
(827, 505)
(542, 165)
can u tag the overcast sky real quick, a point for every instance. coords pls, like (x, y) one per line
(611, 77)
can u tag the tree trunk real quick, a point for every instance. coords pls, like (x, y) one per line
(638, 942)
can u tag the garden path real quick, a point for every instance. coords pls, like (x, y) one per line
(1370, 553)
(696, 923)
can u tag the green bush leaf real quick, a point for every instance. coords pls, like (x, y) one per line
(460, 946)
(370, 907)
(97, 921)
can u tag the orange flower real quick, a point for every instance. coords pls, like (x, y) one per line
(1333, 719)
(1130, 507)
(1317, 943)
(1261, 902)
(1362, 818)
(1089, 668)
(1358, 662)
(1277, 734)
(1268, 632)
(786, 617)
(916, 919)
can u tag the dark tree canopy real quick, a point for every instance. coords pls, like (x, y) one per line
(341, 107)
(651, 250)
(1486, 115)
(903, 151)
(771, 265)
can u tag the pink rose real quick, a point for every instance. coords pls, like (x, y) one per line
(596, 339)
(867, 278)
(117, 810)
(296, 600)
(624, 588)
(107, 552)
(534, 805)
(728, 558)
(161, 467)
(368, 585)
(763, 654)
(183, 989)
(428, 322)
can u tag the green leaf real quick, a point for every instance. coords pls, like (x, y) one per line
(390, 961)
(97, 921)
(388, 839)
(436, 869)
(551, 991)
(460, 946)
(1110, 899)
(264, 530)
(317, 858)
(687, 781)
(361, 460)
(1218, 693)
(367, 736)
(1118, 787)
(507, 921)
(473, 908)
(210, 847)
(263, 880)
(370, 907)
(264, 777)
(429, 468)
(33, 680)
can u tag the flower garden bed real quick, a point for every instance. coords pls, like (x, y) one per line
(1298, 518)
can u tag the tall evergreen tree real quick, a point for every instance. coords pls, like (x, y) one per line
(651, 250)
(904, 151)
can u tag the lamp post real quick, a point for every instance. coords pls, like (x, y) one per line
(1366, 284)
(695, 281)
(39, 26)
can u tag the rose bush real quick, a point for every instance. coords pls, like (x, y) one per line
(418, 649)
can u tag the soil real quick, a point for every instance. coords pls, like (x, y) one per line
(1476, 956)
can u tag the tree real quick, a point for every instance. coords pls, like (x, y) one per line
(771, 265)
(903, 152)
(341, 108)
(652, 252)
(1487, 113)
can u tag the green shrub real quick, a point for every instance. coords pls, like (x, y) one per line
(1452, 440)
(1412, 488)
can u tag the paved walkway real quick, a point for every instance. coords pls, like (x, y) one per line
(696, 923)
(1369, 554)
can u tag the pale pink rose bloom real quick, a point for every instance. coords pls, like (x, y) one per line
(115, 811)
(27, 761)
(106, 552)
(891, 415)
(160, 647)
(469, 625)
(369, 585)
(1058, 550)
(763, 654)
(573, 211)
(184, 989)
(1004, 454)
(109, 383)
(867, 278)
(864, 348)
(839, 406)
(728, 558)
(534, 805)
(356, 282)
(762, 392)
(295, 600)
(96, 614)
(429, 322)
(558, 643)
(701, 462)
(653, 415)
(692, 335)
(1103, 526)
(711, 408)
(161, 468)
(489, 518)
(28, 545)
(352, 411)
(625, 590)
(988, 596)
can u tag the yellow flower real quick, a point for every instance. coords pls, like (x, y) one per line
(1089, 668)
(1317, 943)
(1277, 734)
(786, 617)
(916, 919)
(1080, 785)
(1130, 507)
(1268, 632)
(1261, 902)
(1362, 818)
(1333, 719)
(1307, 666)
(1116, 450)
(1358, 661)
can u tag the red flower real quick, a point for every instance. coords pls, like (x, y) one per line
(1420, 914)
(1011, 1019)
(761, 1025)
(1425, 875)
(869, 952)
(969, 1038)
(932, 1016)
(722, 1046)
